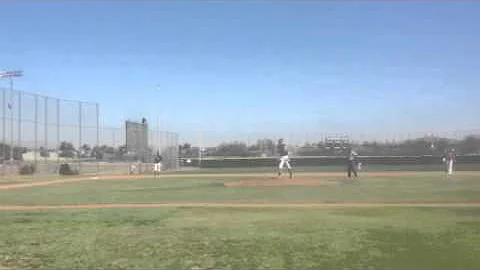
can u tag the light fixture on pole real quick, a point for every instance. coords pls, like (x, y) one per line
(10, 75)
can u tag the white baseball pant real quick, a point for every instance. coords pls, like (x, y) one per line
(284, 161)
(450, 166)
(157, 167)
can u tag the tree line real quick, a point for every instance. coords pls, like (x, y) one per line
(267, 148)
(261, 148)
(68, 150)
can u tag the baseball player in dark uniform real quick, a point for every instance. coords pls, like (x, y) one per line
(352, 163)
(284, 159)
(157, 166)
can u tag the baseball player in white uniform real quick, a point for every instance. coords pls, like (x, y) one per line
(450, 159)
(284, 159)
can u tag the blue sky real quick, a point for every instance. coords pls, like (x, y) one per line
(254, 68)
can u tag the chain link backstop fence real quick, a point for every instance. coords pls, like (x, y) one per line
(43, 132)
(116, 159)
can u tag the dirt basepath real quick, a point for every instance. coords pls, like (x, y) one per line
(232, 205)
(137, 177)
(218, 176)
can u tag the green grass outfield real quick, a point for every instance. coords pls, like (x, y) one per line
(200, 238)
(423, 187)
(233, 238)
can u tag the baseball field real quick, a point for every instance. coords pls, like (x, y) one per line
(242, 219)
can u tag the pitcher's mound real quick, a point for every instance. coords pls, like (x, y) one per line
(276, 182)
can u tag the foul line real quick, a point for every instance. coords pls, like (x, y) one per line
(232, 205)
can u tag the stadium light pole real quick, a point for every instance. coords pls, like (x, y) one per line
(10, 75)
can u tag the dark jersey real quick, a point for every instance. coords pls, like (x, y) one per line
(158, 159)
(282, 149)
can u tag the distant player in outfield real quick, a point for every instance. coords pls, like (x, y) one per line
(157, 166)
(450, 160)
(352, 163)
(284, 159)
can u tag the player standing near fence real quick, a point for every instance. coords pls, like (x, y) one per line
(351, 163)
(284, 159)
(157, 166)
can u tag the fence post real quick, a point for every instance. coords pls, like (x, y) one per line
(169, 147)
(159, 134)
(36, 132)
(19, 135)
(160, 141)
(177, 161)
(4, 131)
(97, 112)
(58, 133)
(79, 136)
(165, 146)
(11, 119)
(45, 143)
(200, 150)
